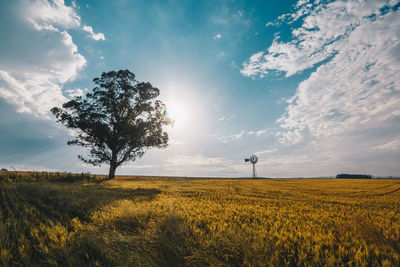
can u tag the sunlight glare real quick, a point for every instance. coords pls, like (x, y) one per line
(185, 106)
(178, 112)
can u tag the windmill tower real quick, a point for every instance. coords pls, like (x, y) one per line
(253, 160)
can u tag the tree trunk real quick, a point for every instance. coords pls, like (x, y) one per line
(113, 167)
(111, 173)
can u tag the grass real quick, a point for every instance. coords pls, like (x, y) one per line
(200, 222)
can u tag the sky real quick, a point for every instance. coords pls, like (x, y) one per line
(311, 87)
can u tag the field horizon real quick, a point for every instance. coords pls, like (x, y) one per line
(134, 176)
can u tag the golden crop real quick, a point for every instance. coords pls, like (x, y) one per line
(201, 222)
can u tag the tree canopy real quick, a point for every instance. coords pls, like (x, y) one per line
(118, 121)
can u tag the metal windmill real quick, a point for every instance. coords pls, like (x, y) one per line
(253, 160)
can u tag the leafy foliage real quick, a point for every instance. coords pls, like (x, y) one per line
(117, 121)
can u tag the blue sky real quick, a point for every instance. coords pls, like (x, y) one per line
(311, 87)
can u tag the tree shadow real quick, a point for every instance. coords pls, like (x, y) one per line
(63, 202)
(172, 242)
(41, 218)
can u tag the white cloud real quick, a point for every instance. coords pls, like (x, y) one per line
(36, 86)
(324, 32)
(95, 36)
(45, 15)
(40, 56)
(391, 145)
(292, 137)
(217, 37)
(76, 92)
(357, 89)
(348, 110)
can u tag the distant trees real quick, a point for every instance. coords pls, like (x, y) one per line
(118, 121)
(353, 176)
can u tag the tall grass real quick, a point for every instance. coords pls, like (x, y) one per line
(36, 176)
(199, 222)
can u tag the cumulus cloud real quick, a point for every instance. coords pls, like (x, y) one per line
(95, 36)
(45, 15)
(39, 56)
(349, 107)
(357, 89)
(324, 32)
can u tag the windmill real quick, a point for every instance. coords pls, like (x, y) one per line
(253, 160)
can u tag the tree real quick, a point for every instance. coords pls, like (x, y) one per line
(118, 121)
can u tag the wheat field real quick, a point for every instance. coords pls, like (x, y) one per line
(200, 222)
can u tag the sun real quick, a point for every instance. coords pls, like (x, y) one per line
(185, 107)
(178, 112)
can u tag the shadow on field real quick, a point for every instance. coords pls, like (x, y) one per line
(42, 224)
(172, 242)
(64, 202)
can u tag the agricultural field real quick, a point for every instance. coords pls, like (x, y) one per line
(200, 222)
